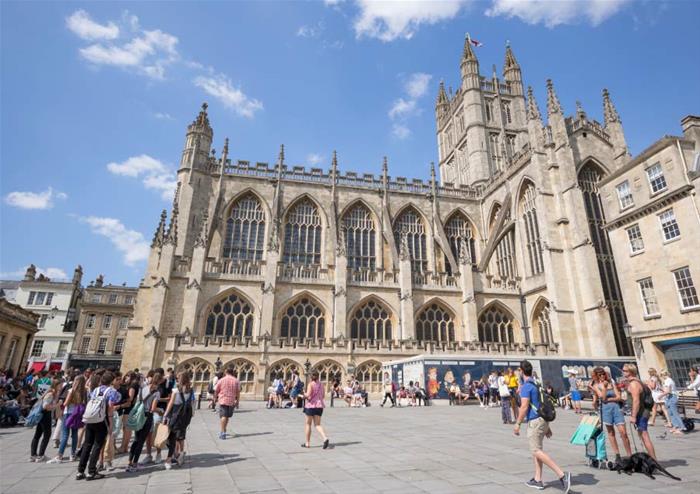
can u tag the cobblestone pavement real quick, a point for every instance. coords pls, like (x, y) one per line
(438, 449)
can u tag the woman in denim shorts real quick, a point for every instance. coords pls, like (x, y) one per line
(607, 396)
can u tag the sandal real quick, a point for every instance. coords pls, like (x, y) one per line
(326, 443)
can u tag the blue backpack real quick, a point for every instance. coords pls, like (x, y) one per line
(36, 414)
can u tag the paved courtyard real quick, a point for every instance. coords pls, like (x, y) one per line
(438, 449)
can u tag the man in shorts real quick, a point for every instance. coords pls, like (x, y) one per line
(227, 393)
(537, 430)
(639, 417)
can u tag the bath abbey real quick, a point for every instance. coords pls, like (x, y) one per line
(501, 252)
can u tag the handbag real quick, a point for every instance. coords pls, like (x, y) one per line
(162, 433)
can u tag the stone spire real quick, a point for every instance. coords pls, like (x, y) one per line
(201, 123)
(280, 163)
(510, 63)
(171, 235)
(609, 111)
(468, 53)
(224, 153)
(201, 240)
(580, 113)
(433, 184)
(469, 67)
(533, 111)
(159, 235)
(442, 95)
(553, 105)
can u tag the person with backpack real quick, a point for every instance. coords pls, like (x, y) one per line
(41, 416)
(641, 403)
(537, 410)
(146, 406)
(98, 422)
(178, 415)
(74, 407)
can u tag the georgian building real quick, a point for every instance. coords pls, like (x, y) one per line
(17, 328)
(270, 267)
(102, 324)
(653, 213)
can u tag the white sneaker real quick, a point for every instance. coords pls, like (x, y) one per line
(40, 459)
(58, 459)
(73, 458)
(168, 465)
(147, 460)
(158, 458)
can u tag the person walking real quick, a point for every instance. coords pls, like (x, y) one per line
(313, 410)
(537, 429)
(149, 396)
(657, 393)
(74, 406)
(178, 414)
(670, 396)
(608, 396)
(639, 416)
(504, 393)
(389, 389)
(227, 393)
(49, 401)
(573, 389)
(96, 433)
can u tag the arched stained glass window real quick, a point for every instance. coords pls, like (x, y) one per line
(543, 323)
(410, 225)
(230, 316)
(245, 230)
(303, 319)
(434, 323)
(495, 325)
(371, 321)
(532, 230)
(302, 234)
(457, 229)
(360, 237)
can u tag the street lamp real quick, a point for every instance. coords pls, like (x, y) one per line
(54, 311)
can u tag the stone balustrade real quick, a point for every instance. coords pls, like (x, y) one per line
(370, 277)
(434, 280)
(303, 273)
(234, 269)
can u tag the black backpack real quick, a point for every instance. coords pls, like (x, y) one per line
(184, 414)
(546, 409)
(647, 399)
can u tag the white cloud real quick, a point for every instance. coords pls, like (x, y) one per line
(34, 200)
(53, 273)
(400, 131)
(221, 88)
(162, 116)
(417, 84)
(309, 31)
(552, 14)
(146, 52)
(315, 158)
(402, 108)
(393, 19)
(130, 243)
(83, 26)
(153, 173)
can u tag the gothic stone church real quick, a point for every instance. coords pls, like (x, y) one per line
(268, 267)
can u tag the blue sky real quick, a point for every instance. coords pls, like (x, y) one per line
(95, 97)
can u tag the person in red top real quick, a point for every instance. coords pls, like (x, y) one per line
(227, 393)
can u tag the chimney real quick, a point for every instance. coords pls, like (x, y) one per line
(30, 274)
(99, 281)
(691, 129)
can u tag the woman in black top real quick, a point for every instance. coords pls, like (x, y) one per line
(130, 391)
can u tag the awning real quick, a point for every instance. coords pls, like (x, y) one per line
(37, 366)
(55, 366)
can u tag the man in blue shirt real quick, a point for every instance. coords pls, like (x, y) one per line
(537, 430)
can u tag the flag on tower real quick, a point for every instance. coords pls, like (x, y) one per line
(474, 42)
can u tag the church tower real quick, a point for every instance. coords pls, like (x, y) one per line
(484, 124)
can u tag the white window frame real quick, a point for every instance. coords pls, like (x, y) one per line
(49, 298)
(123, 322)
(649, 299)
(40, 297)
(32, 296)
(37, 348)
(635, 230)
(90, 321)
(669, 213)
(41, 323)
(62, 348)
(102, 345)
(107, 321)
(624, 195)
(113, 297)
(119, 346)
(690, 288)
(84, 345)
(655, 176)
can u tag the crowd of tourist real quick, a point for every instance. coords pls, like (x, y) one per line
(101, 413)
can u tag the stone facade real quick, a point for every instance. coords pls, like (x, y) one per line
(56, 303)
(102, 325)
(17, 328)
(653, 216)
(269, 267)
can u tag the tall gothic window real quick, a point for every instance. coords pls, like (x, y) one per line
(457, 229)
(532, 230)
(230, 316)
(588, 179)
(434, 323)
(371, 321)
(360, 237)
(411, 225)
(495, 325)
(303, 319)
(494, 144)
(369, 374)
(543, 323)
(302, 234)
(328, 371)
(245, 230)
(505, 256)
(200, 373)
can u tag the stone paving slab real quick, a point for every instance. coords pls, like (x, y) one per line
(438, 449)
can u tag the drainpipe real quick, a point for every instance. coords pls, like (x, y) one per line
(523, 310)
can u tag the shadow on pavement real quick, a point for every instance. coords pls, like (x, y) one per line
(251, 434)
(200, 460)
(582, 479)
(347, 443)
(673, 463)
